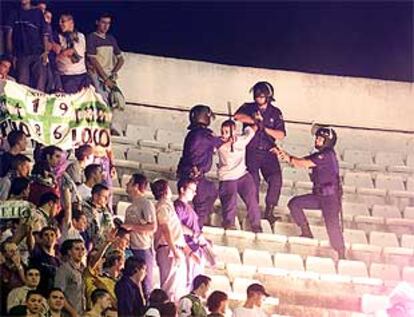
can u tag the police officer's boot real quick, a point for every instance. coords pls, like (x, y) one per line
(306, 231)
(341, 254)
(270, 216)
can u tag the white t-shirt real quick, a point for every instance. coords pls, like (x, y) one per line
(65, 65)
(249, 312)
(232, 165)
(84, 191)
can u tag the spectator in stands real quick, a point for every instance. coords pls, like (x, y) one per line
(41, 5)
(157, 298)
(189, 220)
(6, 64)
(53, 155)
(11, 272)
(104, 56)
(46, 211)
(234, 177)
(18, 295)
(93, 176)
(83, 155)
(170, 244)
(43, 181)
(140, 219)
(35, 306)
(74, 225)
(271, 127)
(100, 301)
(217, 304)
(44, 257)
(19, 189)
(20, 167)
(71, 59)
(327, 188)
(111, 271)
(168, 310)
(17, 142)
(191, 304)
(69, 276)
(27, 42)
(197, 158)
(122, 242)
(56, 302)
(129, 289)
(98, 214)
(253, 304)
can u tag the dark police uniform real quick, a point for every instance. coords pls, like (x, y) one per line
(199, 146)
(258, 157)
(326, 195)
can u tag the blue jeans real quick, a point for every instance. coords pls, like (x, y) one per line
(148, 257)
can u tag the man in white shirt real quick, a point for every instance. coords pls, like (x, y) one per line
(93, 176)
(234, 177)
(252, 306)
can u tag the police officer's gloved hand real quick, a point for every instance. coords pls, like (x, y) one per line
(259, 124)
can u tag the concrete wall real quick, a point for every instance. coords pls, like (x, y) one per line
(301, 96)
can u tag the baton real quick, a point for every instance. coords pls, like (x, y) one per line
(231, 126)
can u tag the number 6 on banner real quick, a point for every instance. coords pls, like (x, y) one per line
(57, 134)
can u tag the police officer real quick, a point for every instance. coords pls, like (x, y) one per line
(197, 158)
(327, 191)
(271, 127)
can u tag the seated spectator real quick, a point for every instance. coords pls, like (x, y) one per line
(104, 56)
(17, 145)
(83, 155)
(71, 59)
(253, 304)
(74, 225)
(27, 42)
(97, 213)
(93, 176)
(69, 276)
(18, 295)
(5, 67)
(56, 302)
(191, 305)
(44, 257)
(46, 211)
(100, 301)
(43, 181)
(20, 167)
(217, 304)
(34, 306)
(11, 272)
(157, 298)
(129, 289)
(170, 245)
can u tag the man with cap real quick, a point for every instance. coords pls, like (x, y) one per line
(327, 189)
(197, 158)
(253, 305)
(271, 127)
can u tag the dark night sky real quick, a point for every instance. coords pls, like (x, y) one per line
(365, 39)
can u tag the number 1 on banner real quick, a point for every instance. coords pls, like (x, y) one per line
(36, 106)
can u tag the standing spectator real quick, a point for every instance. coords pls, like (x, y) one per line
(187, 189)
(76, 169)
(20, 167)
(141, 220)
(71, 59)
(18, 295)
(27, 41)
(157, 298)
(170, 244)
(56, 302)
(44, 257)
(17, 142)
(271, 128)
(110, 312)
(93, 176)
(46, 212)
(191, 305)
(100, 301)
(129, 289)
(253, 304)
(217, 304)
(105, 56)
(35, 306)
(74, 225)
(69, 276)
(43, 181)
(11, 272)
(6, 65)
